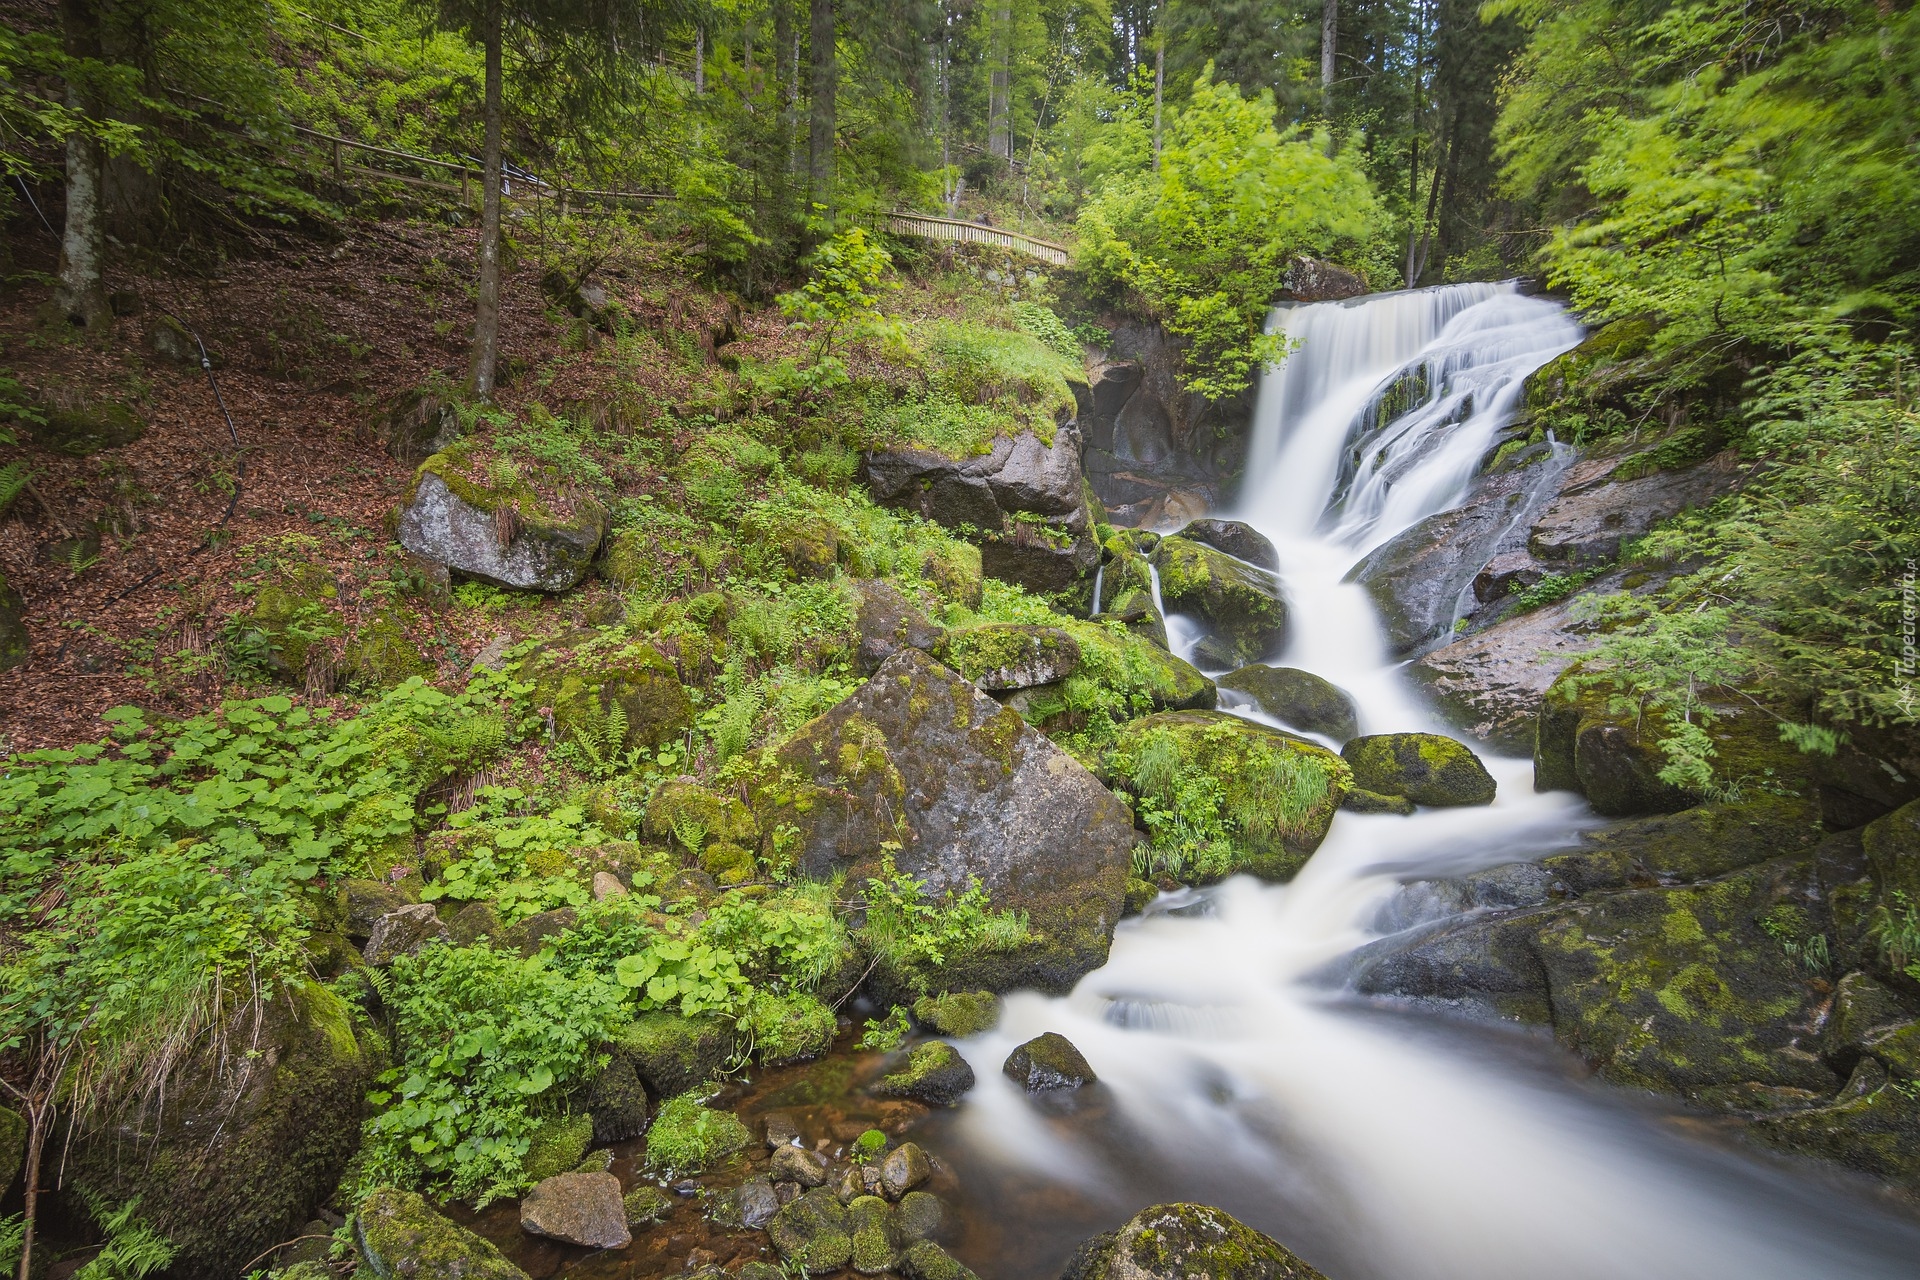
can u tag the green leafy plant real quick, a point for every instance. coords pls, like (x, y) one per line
(918, 934)
(887, 1033)
(845, 279)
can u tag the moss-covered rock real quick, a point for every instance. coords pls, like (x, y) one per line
(1360, 800)
(1279, 791)
(1892, 846)
(925, 1260)
(498, 530)
(1135, 610)
(1300, 698)
(616, 1101)
(813, 1232)
(1700, 843)
(788, 1028)
(558, 1146)
(689, 813)
(673, 1054)
(1239, 604)
(1611, 757)
(382, 654)
(873, 1246)
(1872, 1126)
(288, 1115)
(646, 1205)
(934, 1073)
(1237, 538)
(1048, 1061)
(402, 1238)
(1004, 655)
(918, 1216)
(81, 430)
(292, 611)
(597, 683)
(1182, 1241)
(689, 1137)
(1426, 768)
(959, 1013)
(887, 621)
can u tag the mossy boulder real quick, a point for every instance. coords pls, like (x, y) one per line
(402, 1238)
(1047, 1062)
(1700, 843)
(1146, 671)
(1000, 656)
(85, 429)
(1360, 800)
(887, 620)
(672, 1054)
(692, 815)
(1612, 757)
(813, 1232)
(616, 1101)
(420, 422)
(873, 1248)
(788, 1028)
(1892, 847)
(925, 1260)
(1134, 609)
(597, 683)
(1298, 697)
(248, 1145)
(382, 655)
(934, 1073)
(920, 759)
(690, 1137)
(1279, 791)
(1872, 1126)
(1426, 768)
(646, 1205)
(1239, 604)
(1184, 1241)
(502, 534)
(1235, 537)
(292, 612)
(558, 1145)
(959, 1013)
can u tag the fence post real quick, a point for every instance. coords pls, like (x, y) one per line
(339, 173)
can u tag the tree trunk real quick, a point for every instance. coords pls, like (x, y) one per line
(1159, 78)
(1329, 36)
(826, 89)
(699, 60)
(82, 291)
(486, 312)
(1000, 82)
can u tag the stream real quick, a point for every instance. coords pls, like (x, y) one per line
(1380, 1142)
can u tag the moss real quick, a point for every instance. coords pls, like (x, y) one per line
(926, 1260)
(813, 1232)
(788, 1028)
(585, 677)
(402, 1238)
(867, 1223)
(1240, 604)
(673, 1054)
(558, 1146)
(1426, 768)
(383, 655)
(934, 1073)
(690, 1137)
(616, 1101)
(87, 429)
(959, 1013)
(1172, 1240)
(689, 813)
(1008, 655)
(291, 612)
(646, 1205)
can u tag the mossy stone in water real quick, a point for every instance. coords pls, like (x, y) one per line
(1140, 894)
(673, 1054)
(688, 1136)
(1360, 800)
(928, 1261)
(959, 1013)
(1426, 768)
(646, 1205)
(1298, 697)
(813, 1232)
(918, 1216)
(1047, 1062)
(934, 1074)
(1241, 605)
(1179, 1241)
(873, 1249)
(402, 1238)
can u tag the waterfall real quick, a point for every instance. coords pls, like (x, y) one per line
(1381, 1144)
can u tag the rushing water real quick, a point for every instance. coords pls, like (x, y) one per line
(1378, 1142)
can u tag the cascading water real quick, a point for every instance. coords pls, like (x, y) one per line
(1377, 1142)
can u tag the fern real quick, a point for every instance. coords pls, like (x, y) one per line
(133, 1250)
(13, 482)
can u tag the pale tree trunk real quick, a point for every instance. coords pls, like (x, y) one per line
(1159, 77)
(82, 290)
(1329, 37)
(1000, 82)
(699, 60)
(826, 90)
(486, 311)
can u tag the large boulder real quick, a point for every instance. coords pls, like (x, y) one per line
(578, 1208)
(499, 539)
(673, 1054)
(1892, 846)
(1279, 791)
(1238, 539)
(248, 1144)
(1239, 604)
(1047, 1062)
(921, 761)
(82, 429)
(1426, 768)
(1595, 513)
(1493, 683)
(402, 1238)
(1298, 697)
(1185, 1242)
(1611, 756)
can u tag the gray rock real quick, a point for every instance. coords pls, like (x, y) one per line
(1300, 698)
(607, 885)
(781, 1131)
(1506, 573)
(579, 1208)
(539, 556)
(934, 1073)
(1310, 280)
(967, 789)
(617, 1101)
(402, 932)
(1492, 684)
(1048, 1062)
(1185, 1242)
(1239, 540)
(904, 1169)
(888, 621)
(751, 1205)
(1594, 513)
(1416, 578)
(797, 1164)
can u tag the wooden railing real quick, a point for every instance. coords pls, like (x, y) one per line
(525, 186)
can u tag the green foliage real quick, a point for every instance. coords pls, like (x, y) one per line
(917, 934)
(487, 1043)
(845, 279)
(508, 858)
(1040, 322)
(868, 1147)
(133, 1249)
(1207, 238)
(689, 1137)
(888, 1033)
(1553, 588)
(1894, 927)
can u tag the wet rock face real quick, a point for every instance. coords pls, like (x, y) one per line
(1048, 1062)
(1183, 1242)
(539, 555)
(1300, 698)
(578, 1208)
(1594, 513)
(1240, 605)
(921, 758)
(1426, 768)
(1492, 684)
